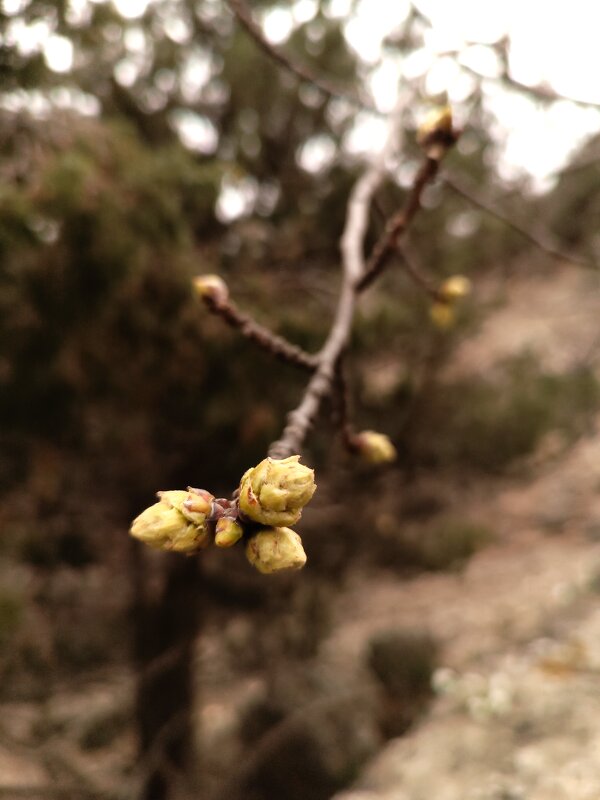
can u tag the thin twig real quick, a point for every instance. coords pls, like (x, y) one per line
(397, 225)
(470, 194)
(341, 408)
(543, 92)
(540, 91)
(320, 385)
(275, 345)
(300, 71)
(414, 272)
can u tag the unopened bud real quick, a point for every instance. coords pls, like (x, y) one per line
(228, 532)
(455, 288)
(212, 287)
(168, 525)
(194, 507)
(435, 134)
(442, 315)
(276, 550)
(375, 448)
(276, 490)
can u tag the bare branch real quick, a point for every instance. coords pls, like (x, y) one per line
(300, 71)
(275, 345)
(470, 194)
(541, 91)
(397, 225)
(320, 385)
(413, 271)
(341, 408)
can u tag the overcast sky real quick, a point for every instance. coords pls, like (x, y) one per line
(552, 41)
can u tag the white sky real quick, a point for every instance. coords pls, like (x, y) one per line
(552, 41)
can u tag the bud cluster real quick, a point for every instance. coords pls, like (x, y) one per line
(271, 496)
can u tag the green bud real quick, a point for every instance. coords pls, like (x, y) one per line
(375, 448)
(227, 532)
(165, 526)
(276, 490)
(443, 315)
(212, 287)
(276, 550)
(194, 507)
(435, 134)
(455, 288)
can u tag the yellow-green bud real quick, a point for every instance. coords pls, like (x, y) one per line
(212, 287)
(375, 448)
(194, 507)
(276, 490)
(167, 525)
(442, 315)
(276, 550)
(228, 532)
(455, 288)
(435, 134)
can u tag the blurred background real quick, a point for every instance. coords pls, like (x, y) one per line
(146, 141)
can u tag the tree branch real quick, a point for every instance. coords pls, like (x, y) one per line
(468, 193)
(300, 71)
(275, 345)
(420, 280)
(541, 91)
(398, 224)
(356, 275)
(341, 408)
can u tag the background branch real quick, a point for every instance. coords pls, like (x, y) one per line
(414, 272)
(459, 187)
(397, 225)
(300, 71)
(341, 408)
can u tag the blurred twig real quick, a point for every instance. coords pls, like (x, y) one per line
(541, 91)
(300, 71)
(469, 193)
(397, 225)
(413, 271)
(341, 408)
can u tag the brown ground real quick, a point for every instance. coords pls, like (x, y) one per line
(518, 695)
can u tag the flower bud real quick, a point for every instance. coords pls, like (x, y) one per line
(195, 504)
(435, 134)
(276, 490)
(228, 532)
(375, 448)
(442, 315)
(455, 288)
(276, 550)
(212, 287)
(164, 526)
